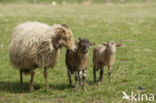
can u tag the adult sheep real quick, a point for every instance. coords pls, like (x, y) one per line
(37, 45)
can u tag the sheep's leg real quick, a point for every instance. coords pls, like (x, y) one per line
(76, 80)
(94, 72)
(69, 77)
(83, 79)
(101, 74)
(80, 80)
(32, 81)
(45, 78)
(109, 72)
(21, 79)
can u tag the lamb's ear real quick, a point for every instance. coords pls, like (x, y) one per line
(118, 44)
(92, 43)
(80, 39)
(104, 43)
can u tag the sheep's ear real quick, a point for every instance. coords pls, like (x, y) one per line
(60, 32)
(104, 43)
(92, 43)
(118, 44)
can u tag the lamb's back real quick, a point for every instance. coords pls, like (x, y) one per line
(98, 53)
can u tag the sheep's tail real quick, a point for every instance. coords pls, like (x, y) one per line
(26, 71)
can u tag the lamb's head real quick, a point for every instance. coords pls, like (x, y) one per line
(111, 46)
(83, 45)
(66, 37)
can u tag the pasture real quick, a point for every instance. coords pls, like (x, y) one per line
(133, 25)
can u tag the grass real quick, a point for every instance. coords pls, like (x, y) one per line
(131, 24)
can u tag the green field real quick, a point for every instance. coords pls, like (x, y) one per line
(133, 25)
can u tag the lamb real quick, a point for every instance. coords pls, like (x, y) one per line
(77, 62)
(104, 55)
(37, 45)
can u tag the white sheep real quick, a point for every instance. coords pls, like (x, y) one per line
(37, 45)
(104, 55)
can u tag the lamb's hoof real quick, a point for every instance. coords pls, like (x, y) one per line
(48, 89)
(70, 85)
(75, 90)
(99, 81)
(21, 86)
(84, 89)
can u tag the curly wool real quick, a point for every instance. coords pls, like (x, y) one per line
(31, 46)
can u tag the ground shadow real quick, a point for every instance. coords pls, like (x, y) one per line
(61, 86)
(14, 87)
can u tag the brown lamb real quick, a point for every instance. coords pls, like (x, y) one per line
(77, 62)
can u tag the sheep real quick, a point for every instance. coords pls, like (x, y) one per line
(104, 55)
(37, 45)
(77, 62)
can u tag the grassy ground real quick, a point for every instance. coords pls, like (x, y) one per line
(132, 25)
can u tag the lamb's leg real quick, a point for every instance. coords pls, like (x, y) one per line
(101, 74)
(69, 77)
(76, 80)
(45, 78)
(94, 72)
(21, 79)
(109, 73)
(83, 79)
(32, 81)
(80, 80)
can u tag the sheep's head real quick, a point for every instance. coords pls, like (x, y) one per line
(66, 37)
(111, 46)
(83, 45)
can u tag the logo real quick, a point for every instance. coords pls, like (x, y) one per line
(138, 96)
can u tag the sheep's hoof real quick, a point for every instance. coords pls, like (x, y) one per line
(31, 90)
(99, 81)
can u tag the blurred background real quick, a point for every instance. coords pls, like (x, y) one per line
(77, 1)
